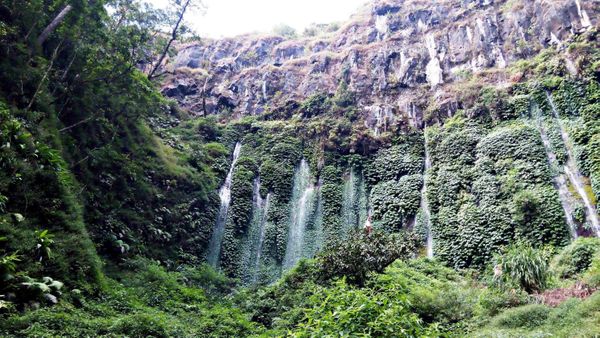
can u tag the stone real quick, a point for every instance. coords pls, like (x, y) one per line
(391, 53)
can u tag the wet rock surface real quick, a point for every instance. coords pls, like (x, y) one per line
(393, 54)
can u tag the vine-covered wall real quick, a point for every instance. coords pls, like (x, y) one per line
(490, 183)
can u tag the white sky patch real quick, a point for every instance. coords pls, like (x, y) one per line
(226, 18)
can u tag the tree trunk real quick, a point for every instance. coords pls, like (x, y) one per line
(173, 38)
(52, 26)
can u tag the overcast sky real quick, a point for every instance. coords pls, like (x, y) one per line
(224, 18)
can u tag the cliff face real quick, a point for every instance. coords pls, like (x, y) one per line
(395, 55)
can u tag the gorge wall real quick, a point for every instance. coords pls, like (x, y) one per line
(471, 124)
(395, 55)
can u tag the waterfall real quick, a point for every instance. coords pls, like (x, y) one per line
(261, 237)
(425, 204)
(559, 180)
(303, 196)
(257, 231)
(573, 173)
(314, 236)
(350, 205)
(252, 243)
(354, 205)
(214, 247)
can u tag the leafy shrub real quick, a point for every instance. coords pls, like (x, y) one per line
(343, 310)
(343, 96)
(145, 325)
(317, 104)
(285, 30)
(492, 301)
(527, 316)
(207, 129)
(34, 291)
(592, 275)
(361, 254)
(8, 266)
(280, 304)
(207, 278)
(436, 293)
(524, 267)
(576, 257)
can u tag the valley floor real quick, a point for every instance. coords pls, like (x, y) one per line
(410, 298)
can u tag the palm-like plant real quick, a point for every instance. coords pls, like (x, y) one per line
(523, 266)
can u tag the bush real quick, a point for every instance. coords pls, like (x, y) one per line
(592, 276)
(492, 301)
(209, 279)
(522, 266)
(436, 293)
(317, 104)
(285, 31)
(361, 254)
(345, 311)
(145, 325)
(575, 258)
(343, 96)
(527, 316)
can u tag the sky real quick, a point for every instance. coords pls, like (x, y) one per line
(226, 18)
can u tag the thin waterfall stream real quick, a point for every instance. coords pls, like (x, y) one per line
(303, 196)
(559, 179)
(214, 247)
(573, 174)
(350, 204)
(425, 204)
(254, 238)
(354, 204)
(263, 210)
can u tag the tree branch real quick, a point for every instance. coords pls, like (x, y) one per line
(52, 26)
(76, 124)
(39, 87)
(173, 38)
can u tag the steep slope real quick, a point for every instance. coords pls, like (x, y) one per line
(390, 54)
(468, 131)
(486, 89)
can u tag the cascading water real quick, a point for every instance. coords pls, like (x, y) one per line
(350, 207)
(214, 247)
(559, 179)
(354, 204)
(314, 236)
(256, 235)
(573, 173)
(303, 196)
(253, 241)
(425, 205)
(261, 237)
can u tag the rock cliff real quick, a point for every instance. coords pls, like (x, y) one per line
(397, 56)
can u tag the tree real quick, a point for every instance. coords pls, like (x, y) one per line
(181, 7)
(343, 96)
(52, 26)
(285, 30)
(361, 253)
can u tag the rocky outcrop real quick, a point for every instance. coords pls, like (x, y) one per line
(393, 54)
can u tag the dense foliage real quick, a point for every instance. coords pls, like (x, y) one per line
(108, 198)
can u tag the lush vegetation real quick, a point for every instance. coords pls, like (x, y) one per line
(108, 198)
(411, 297)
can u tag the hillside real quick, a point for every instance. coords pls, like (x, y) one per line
(229, 195)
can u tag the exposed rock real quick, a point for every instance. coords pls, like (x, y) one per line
(387, 53)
